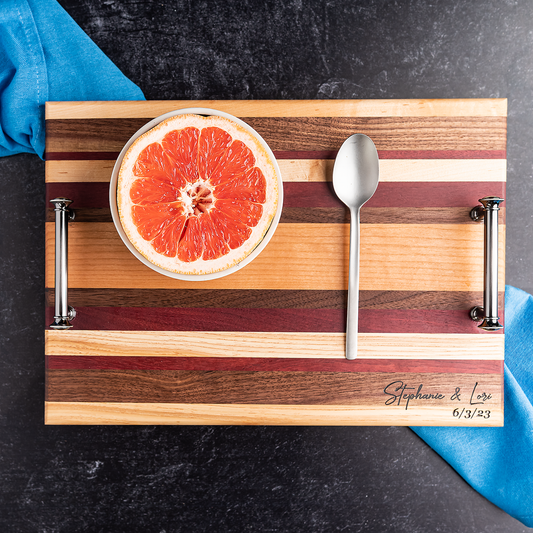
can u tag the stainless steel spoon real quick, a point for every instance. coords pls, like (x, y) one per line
(355, 179)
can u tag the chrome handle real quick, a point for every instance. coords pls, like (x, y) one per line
(63, 313)
(488, 314)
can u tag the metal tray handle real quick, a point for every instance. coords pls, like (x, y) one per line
(488, 314)
(63, 313)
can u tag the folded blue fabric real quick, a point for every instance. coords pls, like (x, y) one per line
(498, 462)
(46, 56)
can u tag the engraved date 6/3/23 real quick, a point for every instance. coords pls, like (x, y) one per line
(471, 413)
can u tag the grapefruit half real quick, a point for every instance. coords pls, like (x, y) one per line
(197, 194)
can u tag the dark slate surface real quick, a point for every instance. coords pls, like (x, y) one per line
(268, 479)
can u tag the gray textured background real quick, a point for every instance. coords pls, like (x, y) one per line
(167, 479)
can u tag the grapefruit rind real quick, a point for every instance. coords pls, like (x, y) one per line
(126, 177)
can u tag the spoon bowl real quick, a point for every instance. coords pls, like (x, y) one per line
(355, 180)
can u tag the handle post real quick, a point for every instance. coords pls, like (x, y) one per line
(488, 314)
(63, 313)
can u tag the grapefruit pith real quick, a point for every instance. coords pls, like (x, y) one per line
(196, 194)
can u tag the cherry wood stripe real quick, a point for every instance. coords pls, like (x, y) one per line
(458, 107)
(248, 364)
(274, 344)
(303, 195)
(112, 413)
(270, 320)
(430, 257)
(271, 299)
(258, 387)
(322, 134)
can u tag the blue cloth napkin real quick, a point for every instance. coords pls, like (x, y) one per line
(498, 462)
(46, 56)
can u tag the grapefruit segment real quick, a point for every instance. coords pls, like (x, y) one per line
(197, 194)
(146, 191)
(166, 242)
(152, 219)
(237, 159)
(213, 145)
(191, 246)
(215, 244)
(182, 148)
(153, 162)
(234, 232)
(249, 186)
(243, 211)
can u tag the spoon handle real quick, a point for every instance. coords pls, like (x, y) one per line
(352, 316)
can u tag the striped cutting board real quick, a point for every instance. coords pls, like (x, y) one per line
(266, 344)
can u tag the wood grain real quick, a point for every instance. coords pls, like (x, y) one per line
(303, 133)
(291, 345)
(436, 257)
(266, 345)
(426, 170)
(89, 413)
(271, 299)
(282, 108)
(300, 195)
(331, 215)
(250, 364)
(260, 320)
(289, 388)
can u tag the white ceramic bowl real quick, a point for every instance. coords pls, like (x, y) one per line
(192, 277)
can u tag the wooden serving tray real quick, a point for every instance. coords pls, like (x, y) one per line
(266, 345)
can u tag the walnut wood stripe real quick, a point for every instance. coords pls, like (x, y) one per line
(330, 215)
(247, 364)
(430, 257)
(277, 344)
(270, 320)
(90, 413)
(282, 108)
(260, 387)
(322, 134)
(426, 170)
(271, 299)
(104, 158)
(320, 194)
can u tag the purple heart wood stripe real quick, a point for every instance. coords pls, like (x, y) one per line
(258, 320)
(265, 345)
(250, 364)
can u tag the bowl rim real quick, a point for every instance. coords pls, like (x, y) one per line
(114, 207)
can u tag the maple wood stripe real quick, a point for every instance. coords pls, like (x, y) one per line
(249, 364)
(258, 387)
(271, 299)
(457, 107)
(320, 194)
(309, 134)
(316, 170)
(270, 320)
(112, 413)
(273, 344)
